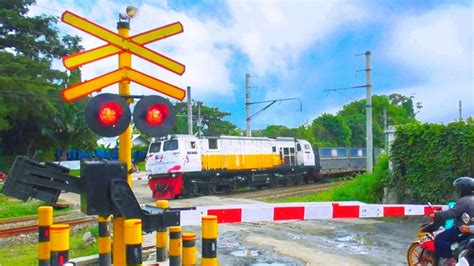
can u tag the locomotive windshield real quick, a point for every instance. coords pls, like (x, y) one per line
(170, 145)
(155, 147)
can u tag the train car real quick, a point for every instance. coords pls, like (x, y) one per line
(185, 165)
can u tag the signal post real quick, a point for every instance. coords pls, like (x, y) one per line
(108, 115)
(125, 148)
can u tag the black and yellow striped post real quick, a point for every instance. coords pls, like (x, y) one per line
(45, 220)
(175, 245)
(104, 242)
(59, 244)
(162, 236)
(133, 241)
(209, 240)
(189, 248)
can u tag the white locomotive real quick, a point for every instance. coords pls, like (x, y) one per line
(187, 165)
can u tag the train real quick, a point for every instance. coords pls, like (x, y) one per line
(187, 165)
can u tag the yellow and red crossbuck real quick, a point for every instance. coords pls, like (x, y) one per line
(118, 44)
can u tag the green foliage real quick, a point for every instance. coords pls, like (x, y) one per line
(367, 188)
(333, 130)
(428, 157)
(33, 117)
(347, 128)
(213, 123)
(399, 111)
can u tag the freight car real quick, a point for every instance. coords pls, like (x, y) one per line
(186, 165)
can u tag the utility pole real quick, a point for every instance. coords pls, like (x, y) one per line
(385, 127)
(368, 100)
(368, 109)
(199, 122)
(190, 112)
(460, 110)
(247, 104)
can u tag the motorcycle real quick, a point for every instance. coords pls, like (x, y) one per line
(422, 249)
(466, 256)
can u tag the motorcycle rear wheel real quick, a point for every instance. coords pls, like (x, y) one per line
(416, 255)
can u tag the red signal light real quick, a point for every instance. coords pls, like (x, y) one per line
(107, 115)
(156, 114)
(110, 113)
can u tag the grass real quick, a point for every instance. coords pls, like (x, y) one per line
(141, 166)
(75, 172)
(27, 254)
(11, 208)
(367, 188)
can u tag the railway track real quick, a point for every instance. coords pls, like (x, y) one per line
(24, 219)
(282, 192)
(34, 228)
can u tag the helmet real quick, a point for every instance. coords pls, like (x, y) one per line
(464, 185)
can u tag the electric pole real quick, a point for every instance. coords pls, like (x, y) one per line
(199, 121)
(385, 127)
(368, 109)
(190, 111)
(460, 110)
(247, 104)
(368, 100)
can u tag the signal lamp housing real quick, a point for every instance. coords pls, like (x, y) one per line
(154, 116)
(108, 115)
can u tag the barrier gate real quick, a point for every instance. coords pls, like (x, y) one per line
(105, 192)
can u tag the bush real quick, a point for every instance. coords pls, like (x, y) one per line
(428, 157)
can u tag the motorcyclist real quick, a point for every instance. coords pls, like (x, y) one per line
(443, 241)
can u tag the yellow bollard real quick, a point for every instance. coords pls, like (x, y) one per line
(189, 248)
(175, 246)
(104, 242)
(45, 220)
(133, 241)
(59, 244)
(162, 236)
(209, 240)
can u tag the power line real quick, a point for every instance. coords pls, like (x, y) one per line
(48, 8)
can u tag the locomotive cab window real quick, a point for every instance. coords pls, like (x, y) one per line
(298, 147)
(213, 144)
(307, 147)
(190, 145)
(170, 145)
(155, 147)
(274, 149)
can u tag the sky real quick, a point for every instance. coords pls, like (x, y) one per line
(298, 49)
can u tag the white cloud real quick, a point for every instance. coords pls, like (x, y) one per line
(275, 33)
(437, 47)
(196, 47)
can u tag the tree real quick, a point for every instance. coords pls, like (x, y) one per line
(404, 102)
(354, 115)
(213, 123)
(331, 130)
(273, 131)
(32, 116)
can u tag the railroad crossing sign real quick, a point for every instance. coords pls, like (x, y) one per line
(119, 44)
